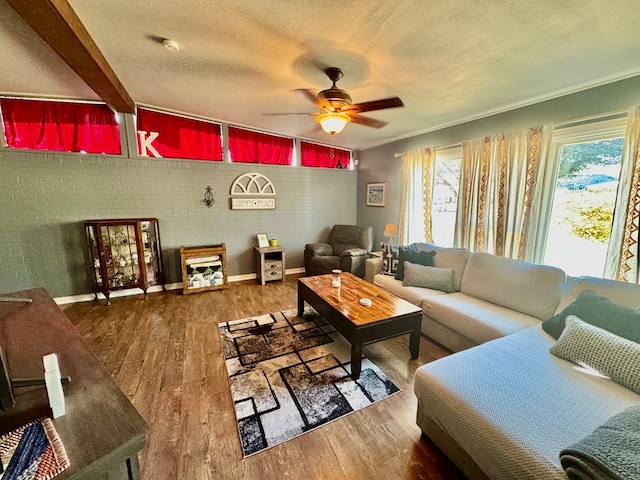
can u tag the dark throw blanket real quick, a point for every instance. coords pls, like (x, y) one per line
(610, 452)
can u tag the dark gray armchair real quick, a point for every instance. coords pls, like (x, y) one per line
(347, 249)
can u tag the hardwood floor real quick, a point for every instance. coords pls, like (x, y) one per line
(164, 352)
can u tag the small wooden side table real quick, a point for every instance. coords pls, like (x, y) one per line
(270, 263)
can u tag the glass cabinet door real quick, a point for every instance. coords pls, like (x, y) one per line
(94, 255)
(121, 255)
(151, 246)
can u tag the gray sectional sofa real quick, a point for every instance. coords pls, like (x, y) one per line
(493, 297)
(506, 408)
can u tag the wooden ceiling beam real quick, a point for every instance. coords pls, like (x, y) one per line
(56, 23)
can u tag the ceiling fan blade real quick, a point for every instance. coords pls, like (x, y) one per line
(309, 95)
(276, 114)
(367, 121)
(391, 102)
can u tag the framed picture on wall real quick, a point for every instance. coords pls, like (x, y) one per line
(376, 194)
(262, 240)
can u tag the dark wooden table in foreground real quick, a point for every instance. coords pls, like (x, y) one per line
(388, 316)
(101, 431)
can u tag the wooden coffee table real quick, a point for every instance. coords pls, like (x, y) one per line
(388, 316)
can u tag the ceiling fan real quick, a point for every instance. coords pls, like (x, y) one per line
(338, 109)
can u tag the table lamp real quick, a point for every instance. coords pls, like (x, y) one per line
(390, 231)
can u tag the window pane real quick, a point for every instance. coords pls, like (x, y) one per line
(584, 200)
(444, 204)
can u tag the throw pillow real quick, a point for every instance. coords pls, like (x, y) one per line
(609, 354)
(428, 277)
(599, 311)
(389, 258)
(412, 255)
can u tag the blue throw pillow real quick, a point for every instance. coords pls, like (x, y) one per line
(413, 255)
(599, 311)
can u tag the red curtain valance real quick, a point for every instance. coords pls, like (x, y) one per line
(60, 126)
(172, 136)
(247, 146)
(314, 155)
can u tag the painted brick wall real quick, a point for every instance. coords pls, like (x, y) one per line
(45, 197)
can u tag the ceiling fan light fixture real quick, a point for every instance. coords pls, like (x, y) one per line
(333, 122)
(171, 45)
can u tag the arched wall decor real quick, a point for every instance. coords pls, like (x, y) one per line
(256, 192)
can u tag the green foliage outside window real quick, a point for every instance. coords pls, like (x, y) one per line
(590, 218)
(578, 157)
(589, 213)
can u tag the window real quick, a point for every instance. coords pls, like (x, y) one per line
(585, 195)
(60, 126)
(175, 136)
(444, 197)
(247, 146)
(313, 155)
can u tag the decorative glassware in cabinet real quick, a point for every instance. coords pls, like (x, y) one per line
(124, 254)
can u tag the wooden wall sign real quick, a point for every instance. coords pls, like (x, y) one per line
(253, 203)
(253, 191)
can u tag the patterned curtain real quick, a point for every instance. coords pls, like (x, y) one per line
(500, 178)
(417, 185)
(622, 255)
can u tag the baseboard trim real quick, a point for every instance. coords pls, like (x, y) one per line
(86, 297)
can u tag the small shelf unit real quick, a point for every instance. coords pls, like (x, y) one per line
(203, 268)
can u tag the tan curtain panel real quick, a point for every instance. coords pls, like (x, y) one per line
(417, 185)
(499, 181)
(622, 255)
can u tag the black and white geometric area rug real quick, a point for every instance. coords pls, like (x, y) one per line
(291, 374)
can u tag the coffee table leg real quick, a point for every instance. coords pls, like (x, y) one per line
(300, 304)
(414, 342)
(356, 360)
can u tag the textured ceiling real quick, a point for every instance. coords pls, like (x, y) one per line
(449, 61)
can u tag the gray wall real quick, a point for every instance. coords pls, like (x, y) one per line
(44, 197)
(379, 164)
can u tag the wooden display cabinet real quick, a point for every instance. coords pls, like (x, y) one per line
(124, 253)
(204, 268)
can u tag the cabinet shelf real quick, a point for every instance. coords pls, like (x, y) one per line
(124, 253)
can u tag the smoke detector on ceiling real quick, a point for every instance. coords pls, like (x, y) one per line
(171, 45)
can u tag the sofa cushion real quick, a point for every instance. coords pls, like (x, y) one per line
(343, 237)
(428, 277)
(339, 248)
(521, 286)
(609, 354)
(455, 258)
(473, 318)
(513, 407)
(411, 254)
(324, 262)
(599, 311)
(619, 292)
(414, 295)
